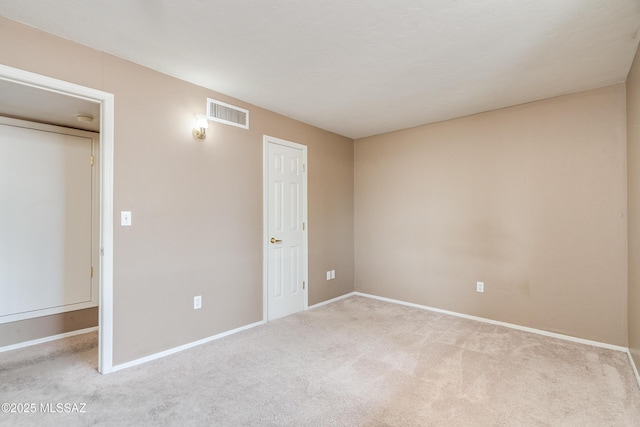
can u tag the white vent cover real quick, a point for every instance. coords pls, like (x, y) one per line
(228, 114)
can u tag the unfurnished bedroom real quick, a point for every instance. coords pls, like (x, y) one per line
(320, 213)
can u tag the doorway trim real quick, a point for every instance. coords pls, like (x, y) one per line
(265, 222)
(105, 278)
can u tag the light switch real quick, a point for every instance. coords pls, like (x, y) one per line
(125, 218)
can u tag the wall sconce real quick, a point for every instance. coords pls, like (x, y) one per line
(202, 124)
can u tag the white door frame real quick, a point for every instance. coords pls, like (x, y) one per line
(105, 278)
(265, 221)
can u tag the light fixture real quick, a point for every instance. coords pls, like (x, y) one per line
(200, 129)
(86, 118)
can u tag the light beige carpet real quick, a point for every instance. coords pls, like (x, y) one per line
(358, 362)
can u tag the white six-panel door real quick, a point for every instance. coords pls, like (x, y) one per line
(286, 254)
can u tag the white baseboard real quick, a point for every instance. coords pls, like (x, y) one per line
(206, 340)
(184, 347)
(320, 304)
(496, 322)
(47, 339)
(633, 365)
(390, 300)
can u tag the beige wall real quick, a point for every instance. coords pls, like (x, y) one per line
(46, 326)
(633, 182)
(530, 199)
(196, 205)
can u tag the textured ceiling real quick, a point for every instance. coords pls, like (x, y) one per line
(361, 67)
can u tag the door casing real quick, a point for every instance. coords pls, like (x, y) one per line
(105, 277)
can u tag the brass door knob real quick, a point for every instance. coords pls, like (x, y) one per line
(274, 240)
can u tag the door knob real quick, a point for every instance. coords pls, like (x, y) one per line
(274, 240)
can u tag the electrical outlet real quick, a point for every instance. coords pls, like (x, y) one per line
(197, 302)
(479, 286)
(333, 274)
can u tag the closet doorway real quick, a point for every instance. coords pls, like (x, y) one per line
(36, 98)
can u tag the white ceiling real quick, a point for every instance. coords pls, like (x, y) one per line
(361, 67)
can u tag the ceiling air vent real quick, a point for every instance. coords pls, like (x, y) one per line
(228, 114)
